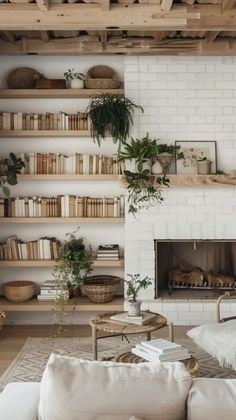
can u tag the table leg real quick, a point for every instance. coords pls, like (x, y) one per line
(148, 336)
(171, 332)
(95, 343)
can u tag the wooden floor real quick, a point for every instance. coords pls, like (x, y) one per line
(13, 337)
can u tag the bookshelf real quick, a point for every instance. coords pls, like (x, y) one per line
(56, 93)
(51, 263)
(64, 220)
(81, 304)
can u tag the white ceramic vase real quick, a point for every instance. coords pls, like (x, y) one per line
(134, 308)
(157, 168)
(77, 84)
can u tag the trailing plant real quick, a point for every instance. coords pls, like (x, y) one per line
(113, 114)
(9, 169)
(70, 74)
(73, 266)
(135, 284)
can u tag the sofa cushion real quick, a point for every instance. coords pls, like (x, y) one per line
(75, 389)
(19, 401)
(212, 399)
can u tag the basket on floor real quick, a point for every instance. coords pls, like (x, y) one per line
(101, 289)
(2, 317)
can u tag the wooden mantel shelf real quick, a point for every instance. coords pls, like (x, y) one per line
(50, 263)
(82, 304)
(201, 180)
(55, 93)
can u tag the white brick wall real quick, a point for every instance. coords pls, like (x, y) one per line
(184, 98)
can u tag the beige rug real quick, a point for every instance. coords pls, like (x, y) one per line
(31, 360)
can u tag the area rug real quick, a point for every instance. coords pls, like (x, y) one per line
(29, 364)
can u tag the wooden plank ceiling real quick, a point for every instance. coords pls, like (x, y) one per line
(151, 27)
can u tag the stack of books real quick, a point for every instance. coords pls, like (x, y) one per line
(50, 291)
(143, 319)
(161, 350)
(108, 252)
(44, 248)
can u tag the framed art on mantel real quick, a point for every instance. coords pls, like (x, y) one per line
(194, 151)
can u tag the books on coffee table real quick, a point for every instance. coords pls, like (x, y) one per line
(138, 320)
(161, 350)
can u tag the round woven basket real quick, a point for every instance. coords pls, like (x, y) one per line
(101, 72)
(19, 291)
(102, 83)
(101, 289)
(2, 317)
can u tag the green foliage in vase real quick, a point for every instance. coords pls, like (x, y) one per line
(9, 169)
(111, 114)
(71, 74)
(135, 284)
(171, 149)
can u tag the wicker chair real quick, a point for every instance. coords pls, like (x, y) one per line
(218, 302)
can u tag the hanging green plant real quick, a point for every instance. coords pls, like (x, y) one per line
(111, 114)
(9, 169)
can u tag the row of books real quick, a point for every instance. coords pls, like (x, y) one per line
(161, 350)
(108, 252)
(57, 163)
(44, 248)
(62, 206)
(45, 121)
(50, 291)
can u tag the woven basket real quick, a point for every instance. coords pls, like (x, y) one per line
(101, 72)
(101, 289)
(2, 317)
(102, 83)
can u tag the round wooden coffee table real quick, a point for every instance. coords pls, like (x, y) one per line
(191, 364)
(104, 324)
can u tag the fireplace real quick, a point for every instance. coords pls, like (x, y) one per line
(194, 268)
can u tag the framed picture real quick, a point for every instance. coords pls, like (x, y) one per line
(193, 151)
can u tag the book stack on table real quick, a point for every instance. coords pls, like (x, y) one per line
(50, 291)
(161, 350)
(108, 252)
(143, 319)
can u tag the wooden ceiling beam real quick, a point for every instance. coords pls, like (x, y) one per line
(45, 36)
(43, 4)
(105, 5)
(9, 36)
(228, 4)
(211, 36)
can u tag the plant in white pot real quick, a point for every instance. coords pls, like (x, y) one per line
(134, 285)
(74, 79)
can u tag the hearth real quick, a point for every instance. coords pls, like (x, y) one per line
(194, 268)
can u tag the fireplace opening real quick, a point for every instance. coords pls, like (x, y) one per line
(194, 268)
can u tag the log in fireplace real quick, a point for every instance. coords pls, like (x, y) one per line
(195, 268)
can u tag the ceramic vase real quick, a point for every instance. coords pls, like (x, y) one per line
(203, 167)
(134, 308)
(157, 168)
(77, 84)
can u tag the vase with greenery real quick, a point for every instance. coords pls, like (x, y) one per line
(144, 190)
(73, 266)
(111, 115)
(9, 169)
(166, 154)
(75, 79)
(134, 284)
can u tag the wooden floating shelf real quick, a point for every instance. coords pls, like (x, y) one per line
(68, 177)
(44, 133)
(82, 304)
(51, 263)
(55, 93)
(201, 180)
(62, 220)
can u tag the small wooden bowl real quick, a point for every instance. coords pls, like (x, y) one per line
(19, 291)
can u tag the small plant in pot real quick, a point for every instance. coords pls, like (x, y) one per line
(166, 154)
(9, 169)
(111, 115)
(75, 79)
(134, 285)
(73, 266)
(203, 165)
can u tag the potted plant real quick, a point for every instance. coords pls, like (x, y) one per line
(203, 165)
(9, 169)
(73, 266)
(75, 79)
(111, 115)
(134, 285)
(166, 153)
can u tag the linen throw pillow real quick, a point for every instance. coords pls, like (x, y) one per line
(76, 389)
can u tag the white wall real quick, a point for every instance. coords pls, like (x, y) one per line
(54, 67)
(184, 98)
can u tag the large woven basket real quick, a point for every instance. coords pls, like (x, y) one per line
(101, 289)
(102, 77)
(2, 317)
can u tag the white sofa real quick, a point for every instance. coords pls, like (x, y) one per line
(73, 389)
